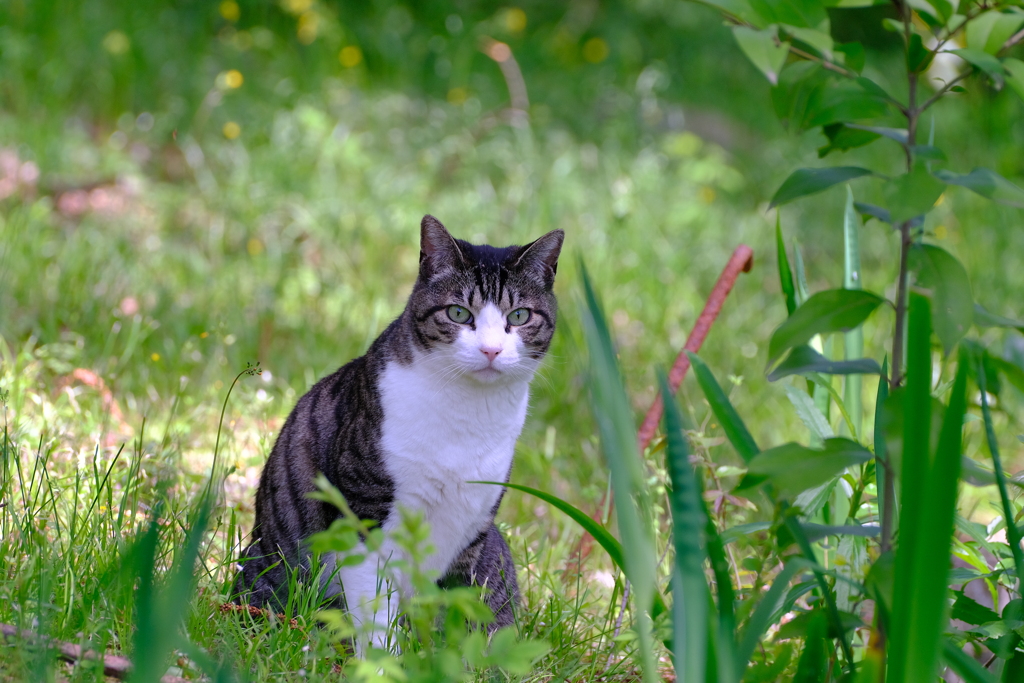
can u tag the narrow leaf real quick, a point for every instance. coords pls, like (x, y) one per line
(984, 62)
(761, 620)
(816, 532)
(690, 594)
(614, 418)
(810, 414)
(984, 318)
(964, 665)
(853, 346)
(803, 360)
(603, 537)
(733, 426)
(834, 310)
(1015, 75)
(807, 181)
(785, 274)
(988, 184)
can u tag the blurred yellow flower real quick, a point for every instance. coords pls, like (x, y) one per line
(309, 26)
(254, 246)
(707, 194)
(941, 232)
(350, 56)
(155, 357)
(296, 6)
(229, 10)
(232, 130)
(204, 335)
(595, 50)
(515, 20)
(457, 95)
(229, 80)
(116, 43)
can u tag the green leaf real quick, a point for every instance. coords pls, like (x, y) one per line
(897, 134)
(820, 41)
(808, 181)
(943, 9)
(853, 55)
(964, 665)
(737, 532)
(603, 537)
(842, 137)
(918, 56)
(803, 360)
(983, 62)
(988, 31)
(942, 274)
(966, 609)
(844, 102)
(785, 274)
(810, 413)
(816, 532)
(740, 9)
(983, 318)
(928, 505)
(761, 620)
(813, 665)
(690, 588)
(1015, 75)
(912, 194)
(792, 468)
(763, 49)
(853, 346)
(988, 184)
(732, 425)
(834, 310)
(805, 13)
(614, 417)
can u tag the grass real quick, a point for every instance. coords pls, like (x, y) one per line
(294, 244)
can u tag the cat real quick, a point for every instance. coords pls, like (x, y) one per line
(438, 400)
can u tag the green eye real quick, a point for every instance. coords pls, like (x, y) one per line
(520, 316)
(459, 314)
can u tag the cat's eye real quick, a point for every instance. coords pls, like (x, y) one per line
(459, 314)
(520, 316)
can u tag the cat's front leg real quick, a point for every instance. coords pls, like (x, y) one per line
(369, 589)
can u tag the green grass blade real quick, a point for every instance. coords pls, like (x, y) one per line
(965, 666)
(737, 432)
(761, 620)
(922, 560)
(854, 339)
(884, 482)
(615, 422)
(785, 273)
(603, 537)
(1012, 531)
(690, 596)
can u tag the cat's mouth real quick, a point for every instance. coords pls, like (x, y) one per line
(487, 374)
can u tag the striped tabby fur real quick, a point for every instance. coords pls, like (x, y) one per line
(433, 404)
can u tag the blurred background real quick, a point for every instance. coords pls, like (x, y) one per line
(189, 186)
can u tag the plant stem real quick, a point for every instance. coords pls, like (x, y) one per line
(906, 240)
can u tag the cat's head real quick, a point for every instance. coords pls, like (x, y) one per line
(487, 313)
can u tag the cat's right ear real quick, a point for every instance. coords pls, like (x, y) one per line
(438, 249)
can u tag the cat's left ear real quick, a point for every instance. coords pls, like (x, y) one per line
(541, 256)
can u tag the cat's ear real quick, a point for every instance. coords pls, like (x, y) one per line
(438, 249)
(541, 256)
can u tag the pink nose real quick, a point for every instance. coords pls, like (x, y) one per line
(491, 352)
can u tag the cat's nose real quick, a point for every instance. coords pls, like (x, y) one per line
(491, 352)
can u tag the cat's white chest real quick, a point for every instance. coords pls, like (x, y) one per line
(438, 435)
